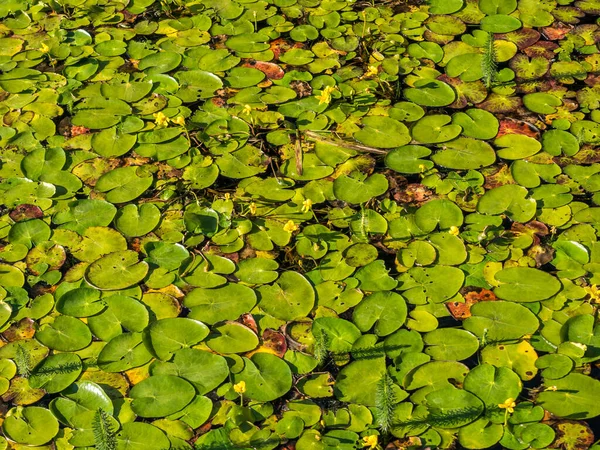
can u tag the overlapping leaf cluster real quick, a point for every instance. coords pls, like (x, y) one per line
(310, 224)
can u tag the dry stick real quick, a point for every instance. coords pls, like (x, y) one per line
(345, 144)
(298, 151)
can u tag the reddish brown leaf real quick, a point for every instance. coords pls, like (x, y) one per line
(556, 32)
(271, 70)
(513, 126)
(248, 320)
(24, 329)
(541, 48)
(77, 130)
(413, 193)
(461, 311)
(275, 341)
(26, 212)
(522, 38)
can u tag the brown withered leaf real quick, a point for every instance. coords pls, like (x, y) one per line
(462, 310)
(26, 212)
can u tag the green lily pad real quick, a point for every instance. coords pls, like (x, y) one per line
(430, 93)
(434, 129)
(386, 310)
(356, 191)
(541, 103)
(524, 284)
(290, 297)
(267, 377)
(213, 305)
(438, 213)
(339, 335)
(31, 425)
(123, 184)
(118, 270)
(231, 337)
(141, 436)
(573, 398)
(357, 382)
(477, 123)
(203, 369)
(493, 385)
(450, 344)
(509, 199)
(123, 352)
(436, 284)
(257, 270)
(500, 23)
(383, 132)
(56, 372)
(172, 334)
(408, 159)
(465, 154)
(66, 334)
(85, 213)
(451, 407)
(161, 395)
(133, 220)
(517, 146)
(121, 312)
(501, 321)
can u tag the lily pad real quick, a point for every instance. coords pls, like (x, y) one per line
(117, 270)
(524, 284)
(383, 132)
(266, 377)
(172, 334)
(161, 395)
(290, 297)
(220, 303)
(31, 425)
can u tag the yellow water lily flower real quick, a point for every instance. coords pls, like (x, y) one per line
(252, 208)
(45, 48)
(372, 71)
(290, 226)
(180, 120)
(508, 405)
(240, 387)
(160, 119)
(593, 291)
(325, 96)
(370, 441)
(247, 110)
(454, 231)
(307, 205)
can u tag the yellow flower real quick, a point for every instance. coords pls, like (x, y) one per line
(160, 119)
(252, 208)
(593, 291)
(247, 110)
(372, 71)
(508, 405)
(370, 441)
(422, 167)
(325, 96)
(45, 48)
(307, 205)
(240, 387)
(290, 226)
(454, 231)
(180, 120)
